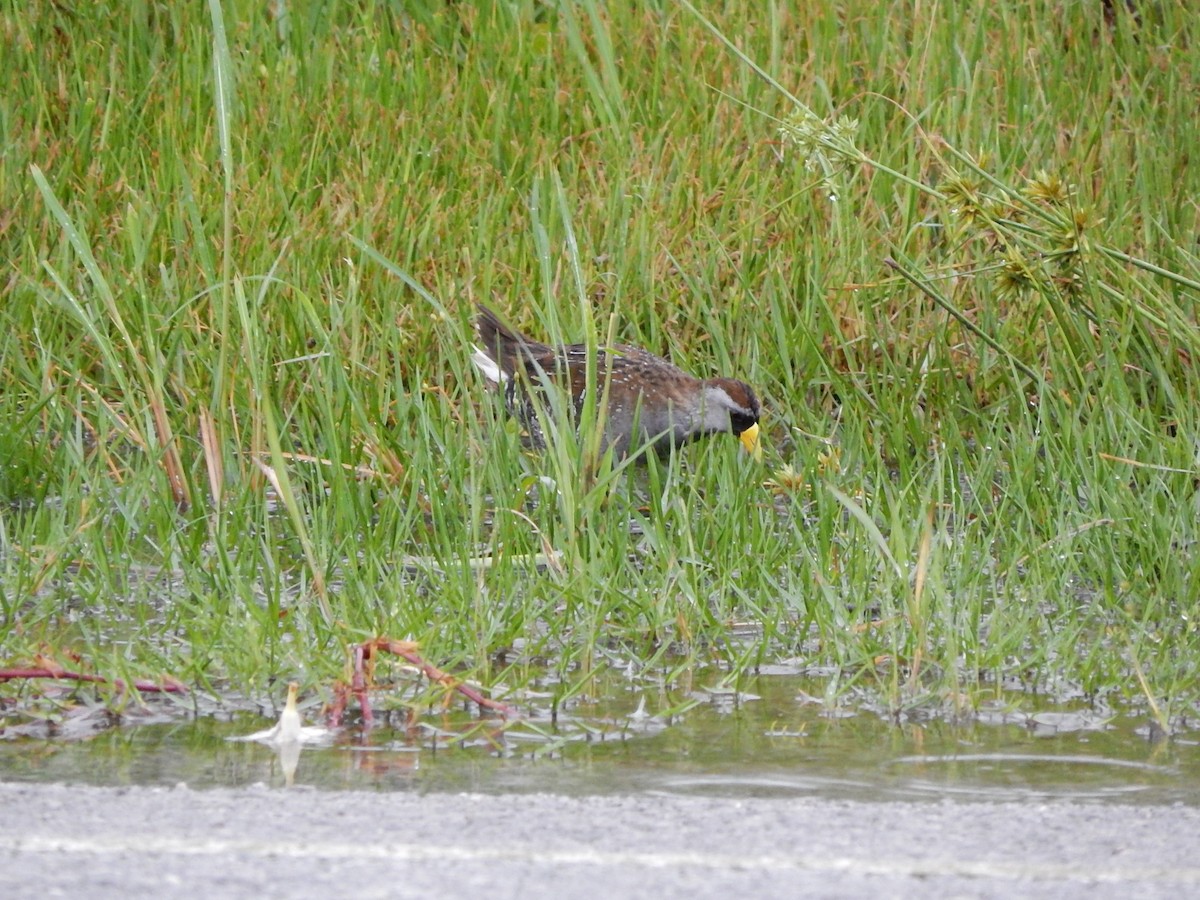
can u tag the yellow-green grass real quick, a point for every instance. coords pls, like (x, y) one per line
(953, 246)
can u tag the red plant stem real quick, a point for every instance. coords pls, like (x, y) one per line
(408, 650)
(358, 683)
(146, 687)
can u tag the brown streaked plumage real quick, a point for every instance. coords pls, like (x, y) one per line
(649, 399)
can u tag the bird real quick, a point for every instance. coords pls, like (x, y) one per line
(651, 403)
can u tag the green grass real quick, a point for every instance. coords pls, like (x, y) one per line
(953, 247)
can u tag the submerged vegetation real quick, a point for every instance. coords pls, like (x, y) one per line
(953, 248)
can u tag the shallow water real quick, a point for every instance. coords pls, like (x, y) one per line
(768, 740)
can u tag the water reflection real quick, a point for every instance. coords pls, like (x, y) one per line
(759, 741)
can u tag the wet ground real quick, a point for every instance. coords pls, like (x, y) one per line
(180, 842)
(764, 791)
(770, 739)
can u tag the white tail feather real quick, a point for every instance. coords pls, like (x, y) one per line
(486, 365)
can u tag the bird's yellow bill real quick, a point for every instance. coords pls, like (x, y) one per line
(750, 441)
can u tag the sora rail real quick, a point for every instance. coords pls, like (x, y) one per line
(650, 401)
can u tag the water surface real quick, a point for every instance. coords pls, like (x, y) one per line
(768, 739)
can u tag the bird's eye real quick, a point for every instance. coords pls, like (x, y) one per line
(741, 421)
